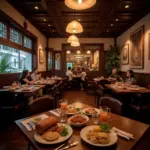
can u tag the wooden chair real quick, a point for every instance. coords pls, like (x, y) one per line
(9, 108)
(40, 105)
(114, 104)
(98, 94)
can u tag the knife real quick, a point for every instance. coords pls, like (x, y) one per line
(69, 146)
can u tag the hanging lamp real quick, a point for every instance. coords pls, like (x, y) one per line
(80, 4)
(74, 27)
(75, 43)
(72, 38)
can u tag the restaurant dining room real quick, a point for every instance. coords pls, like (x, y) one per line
(75, 74)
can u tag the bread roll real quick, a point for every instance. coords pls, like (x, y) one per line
(43, 125)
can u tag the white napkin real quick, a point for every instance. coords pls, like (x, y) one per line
(55, 113)
(123, 134)
(29, 125)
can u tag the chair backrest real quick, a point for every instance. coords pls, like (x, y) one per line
(114, 104)
(6, 98)
(40, 105)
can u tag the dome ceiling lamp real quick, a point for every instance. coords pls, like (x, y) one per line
(72, 38)
(75, 43)
(80, 4)
(74, 27)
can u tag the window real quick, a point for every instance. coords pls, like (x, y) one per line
(3, 30)
(14, 60)
(27, 42)
(88, 59)
(57, 61)
(15, 36)
(49, 61)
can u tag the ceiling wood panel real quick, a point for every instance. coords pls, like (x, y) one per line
(52, 16)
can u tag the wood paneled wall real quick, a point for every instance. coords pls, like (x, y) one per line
(142, 79)
(7, 79)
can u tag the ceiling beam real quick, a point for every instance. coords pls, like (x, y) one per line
(80, 14)
(54, 12)
(108, 13)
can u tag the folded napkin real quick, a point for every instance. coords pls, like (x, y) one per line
(55, 113)
(123, 134)
(29, 124)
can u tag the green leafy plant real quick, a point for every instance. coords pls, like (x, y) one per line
(105, 127)
(113, 59)
(5, 64)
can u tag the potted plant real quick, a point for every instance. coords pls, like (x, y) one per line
(5, 64)
(113, 59)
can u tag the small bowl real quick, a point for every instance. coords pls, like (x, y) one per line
(78, 124)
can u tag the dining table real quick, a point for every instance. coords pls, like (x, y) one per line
(131, 126)
(127, 89)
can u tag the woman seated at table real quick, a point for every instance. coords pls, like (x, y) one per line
(25, 77)
(83, 78)
(35, 75)
(130, 77)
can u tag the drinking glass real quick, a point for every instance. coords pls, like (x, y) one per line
(63, 110)
(95, 118)
(104, 114)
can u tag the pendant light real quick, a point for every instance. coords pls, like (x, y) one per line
(80, 4)
(74, 27)
(72, 38)
(75, 43)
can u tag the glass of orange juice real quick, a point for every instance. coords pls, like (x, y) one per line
(104, 114)
(63, 110)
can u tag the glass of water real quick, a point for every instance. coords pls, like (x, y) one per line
(95, 118)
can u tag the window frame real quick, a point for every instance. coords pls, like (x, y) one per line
(10, 23)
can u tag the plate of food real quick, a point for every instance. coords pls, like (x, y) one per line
(91, 111)
(49, 131)
(96, 136)
(26, 89)
(78, 120)
(73, 110)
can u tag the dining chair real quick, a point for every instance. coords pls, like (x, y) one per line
(40, 105)
(98, 93)
(114, 104)
(9, 106)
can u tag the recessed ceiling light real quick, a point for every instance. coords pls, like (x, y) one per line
(49, 25)
(44, 19)
(127, 6)
(36, 7)
(111, 25)
(79, 19)
(117, 19)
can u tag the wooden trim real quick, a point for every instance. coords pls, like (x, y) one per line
(145, 73)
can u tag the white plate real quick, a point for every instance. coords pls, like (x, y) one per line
(84, 111)
(75, 112)
(112, 135)
(78, 124)
(39, 139)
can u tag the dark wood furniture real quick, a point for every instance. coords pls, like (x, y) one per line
(128, 125)
(120, 90)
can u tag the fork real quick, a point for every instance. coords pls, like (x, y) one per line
(68, 142)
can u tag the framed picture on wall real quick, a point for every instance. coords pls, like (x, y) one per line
(125, 54)
(137, 48)
(41, 55)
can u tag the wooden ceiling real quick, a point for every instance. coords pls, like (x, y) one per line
(108, 18)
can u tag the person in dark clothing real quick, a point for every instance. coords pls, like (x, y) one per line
(25, 77)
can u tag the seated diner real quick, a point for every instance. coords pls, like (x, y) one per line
(74, 80)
